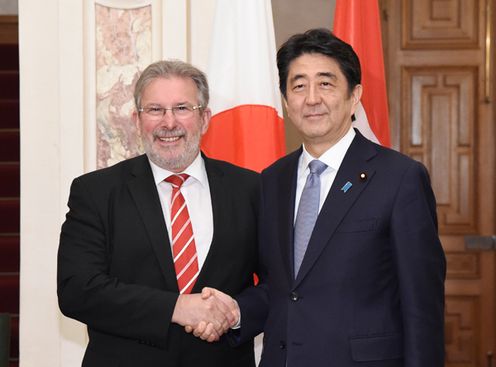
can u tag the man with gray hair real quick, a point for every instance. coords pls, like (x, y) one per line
(143, 238)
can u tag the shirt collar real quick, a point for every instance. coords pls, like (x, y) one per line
(332, 156)
(195, 170)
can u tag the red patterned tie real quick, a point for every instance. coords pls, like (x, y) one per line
(183, 243)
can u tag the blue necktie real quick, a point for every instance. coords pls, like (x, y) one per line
(308, 210)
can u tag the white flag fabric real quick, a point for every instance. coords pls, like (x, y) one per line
(247, 126)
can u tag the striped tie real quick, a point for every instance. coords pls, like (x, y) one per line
(183, 242)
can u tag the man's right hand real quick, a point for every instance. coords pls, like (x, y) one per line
(208, 331)
(211, 315)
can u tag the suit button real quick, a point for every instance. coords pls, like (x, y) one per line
(282, 345)
(294, 296)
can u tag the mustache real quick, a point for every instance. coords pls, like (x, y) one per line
(163, 132)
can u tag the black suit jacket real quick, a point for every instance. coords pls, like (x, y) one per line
(115, 268)
(370, 290)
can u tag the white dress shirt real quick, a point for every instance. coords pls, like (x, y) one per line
(332, 157)
(196, 192)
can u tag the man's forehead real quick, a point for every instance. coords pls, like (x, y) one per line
(297, 73)
(314, 62)
(174, 85)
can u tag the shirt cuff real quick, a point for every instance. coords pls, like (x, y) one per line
(238, 324)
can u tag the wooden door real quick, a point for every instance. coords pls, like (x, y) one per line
(441, 98)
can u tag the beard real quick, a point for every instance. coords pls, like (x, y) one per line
(174, 159)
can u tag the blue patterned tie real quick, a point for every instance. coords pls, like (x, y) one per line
(308, 210)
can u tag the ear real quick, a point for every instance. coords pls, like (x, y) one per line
(285, 102)
(135, 117)
(356, 94)
(205, 120)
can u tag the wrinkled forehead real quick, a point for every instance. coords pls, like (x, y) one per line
(170, 90)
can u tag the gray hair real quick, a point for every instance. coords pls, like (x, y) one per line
(172, 68)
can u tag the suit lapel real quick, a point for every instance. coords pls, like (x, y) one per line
(144, 193)
(339, 201)
(286, 199)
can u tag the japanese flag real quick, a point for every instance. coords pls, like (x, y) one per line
(247, 127)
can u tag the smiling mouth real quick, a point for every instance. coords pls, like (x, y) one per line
(171, 139)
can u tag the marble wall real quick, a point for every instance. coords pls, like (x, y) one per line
(123, 50)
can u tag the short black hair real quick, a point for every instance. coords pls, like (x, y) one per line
(319, 41)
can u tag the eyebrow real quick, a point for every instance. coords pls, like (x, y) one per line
(155, 104)
(328, 75)
(320, 74)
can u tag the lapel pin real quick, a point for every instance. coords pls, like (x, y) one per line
(363, 176)
(346, 186)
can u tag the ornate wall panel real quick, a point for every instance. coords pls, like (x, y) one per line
(438, 126)
(461, 327)
(123, 50)
(463, 265)
(440, 24)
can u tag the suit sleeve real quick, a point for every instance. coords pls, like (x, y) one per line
(86, 290)
(421, 268)
(254, 301)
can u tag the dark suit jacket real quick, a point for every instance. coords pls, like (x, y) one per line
(115, 268)
(370, 291)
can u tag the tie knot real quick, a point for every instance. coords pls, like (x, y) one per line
(317, 167)
(177, 180)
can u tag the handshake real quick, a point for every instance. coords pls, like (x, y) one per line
(208, 315)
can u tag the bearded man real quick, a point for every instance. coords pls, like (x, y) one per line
(143, 238)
